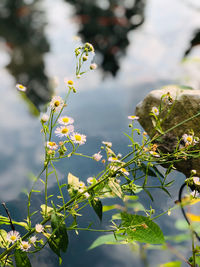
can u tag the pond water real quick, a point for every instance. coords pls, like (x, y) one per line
(36, 44)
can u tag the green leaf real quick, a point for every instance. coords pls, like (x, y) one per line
(21, 259)
(109, 239)
(59, 240)
(97, 206)
(142, 229)
(115, 188)
(73, 181)
(3, 238)
(107, 208)
(148, 193)
(5, 220)
(171, 264)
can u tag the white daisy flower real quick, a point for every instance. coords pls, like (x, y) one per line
(21, 88)
(52, 145)
(44, 118)
(155, 111)
(90, 180)
(78, 138)
(196, 180)
(13, 236)
(155, 154)
(65, 120)
(25, 246)
(81, 184)
(109, 144)
(133, 117)
(39, 228)
(56, 103)
(124, 171)
(113, 159)
(64, 130)
(33, 239)
(188, 139)
(97, 156)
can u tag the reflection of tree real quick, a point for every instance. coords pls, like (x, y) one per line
(23, 30)
(194, 42)
(106, 25)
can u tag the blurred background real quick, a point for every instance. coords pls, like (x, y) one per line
(140, 45)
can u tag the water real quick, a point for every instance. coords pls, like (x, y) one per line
(150, 58)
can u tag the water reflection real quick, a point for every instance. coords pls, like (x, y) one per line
(22, 28)
(106, 25)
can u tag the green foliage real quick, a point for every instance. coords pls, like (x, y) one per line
(142, 229)
(97, 206)
(59, 239)
(21, 259)
(171, 264)
(108, 239)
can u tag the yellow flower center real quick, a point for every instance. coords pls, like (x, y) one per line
(65, 119)
(52, 143)
(25, 246)
(189, 139)
(78, 137)
(56, 103)
(21, 86)
(13, 237)
(70, 82)
(64, 131)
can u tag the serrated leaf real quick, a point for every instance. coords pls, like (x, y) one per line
(115, 188)
(142, 229)
(97, 206)
(171, 264)
(109, 239)
(21, 259)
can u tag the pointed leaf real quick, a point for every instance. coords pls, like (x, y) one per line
(171, 264)
(97, 206)
(142, 229)
(21, 259)
(108, 240)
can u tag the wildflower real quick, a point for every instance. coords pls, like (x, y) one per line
(86, 194)
(155, 111)
(13, 236)
(113, 159)
(21, 88)
(65, 120)
(44, 118)
(52, 145)
(109, 144)
(113, 168)
(124, 171)
(155, 154)
(81, 184)
(97, 156)
(33, 239)
(56, 103)
(39, 228)
(194, 193)
(78, 138)
(189, 139)
(90, 180)
(132, 117)
(70, 82)
(64, 130)
(89, 47)
(25, 246)
(93, 66)
(196, 180)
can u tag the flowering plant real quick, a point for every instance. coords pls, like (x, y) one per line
(121, 177)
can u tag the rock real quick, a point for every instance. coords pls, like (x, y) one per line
(185, 103)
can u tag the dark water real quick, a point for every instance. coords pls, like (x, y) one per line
(139, 47)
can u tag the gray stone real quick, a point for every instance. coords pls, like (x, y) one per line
(185, 104)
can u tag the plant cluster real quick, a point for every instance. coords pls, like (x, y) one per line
(122, 177)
